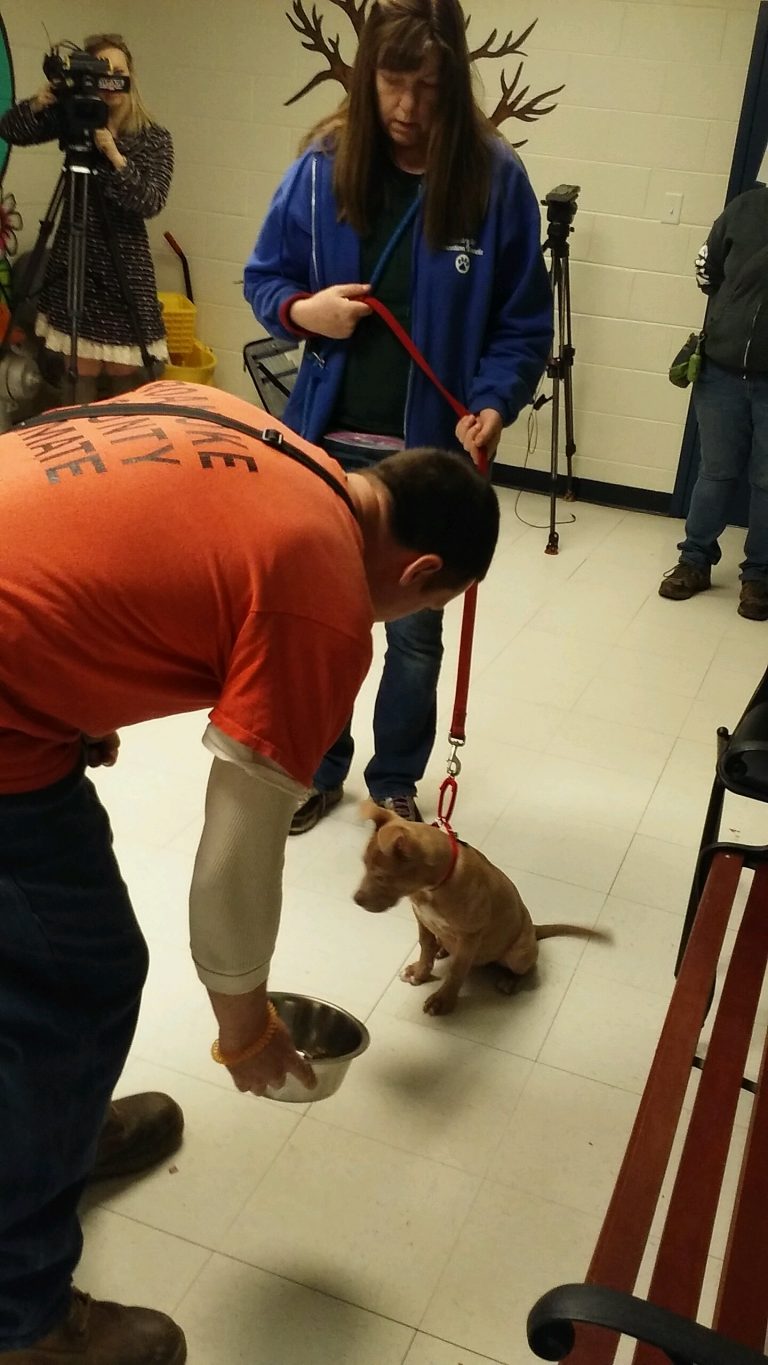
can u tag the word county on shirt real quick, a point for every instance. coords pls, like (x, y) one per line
(64, 450)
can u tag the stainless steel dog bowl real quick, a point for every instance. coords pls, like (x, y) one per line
(329, 1037)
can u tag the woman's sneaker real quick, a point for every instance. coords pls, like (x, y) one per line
(404, 806)
(684, 581)
(315, 807)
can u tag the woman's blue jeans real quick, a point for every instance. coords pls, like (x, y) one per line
(405, 714)
(72, 966)
(732, 412)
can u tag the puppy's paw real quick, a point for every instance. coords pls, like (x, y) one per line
(415, 974)
(439, 1003)
(505, 982)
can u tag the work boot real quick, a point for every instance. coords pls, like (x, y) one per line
(753, 602)
(403, 805)
(138, 1132)
(314, 808)
(684, 581)
(101, 1333)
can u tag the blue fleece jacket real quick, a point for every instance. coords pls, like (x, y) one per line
(481, 309)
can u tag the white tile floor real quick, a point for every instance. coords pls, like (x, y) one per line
(464, 1167)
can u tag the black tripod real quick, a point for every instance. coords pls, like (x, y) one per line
(561, 209)
(78, 176)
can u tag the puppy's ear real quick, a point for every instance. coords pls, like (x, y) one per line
(395, 841)
(370, 811)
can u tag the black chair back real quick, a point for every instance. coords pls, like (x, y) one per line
(273, 366)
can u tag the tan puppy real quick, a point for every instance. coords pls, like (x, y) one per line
(466, 908)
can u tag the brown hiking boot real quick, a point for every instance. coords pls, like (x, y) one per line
(101, 1333)
(753, 602)
(684, 581)
(138, 1131)
(315, 807)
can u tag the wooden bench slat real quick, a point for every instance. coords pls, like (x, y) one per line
(741, 1312)
(621, 1244)
(681, 1261)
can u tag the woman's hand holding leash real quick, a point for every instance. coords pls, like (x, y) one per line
(480, 430)
(332, 312)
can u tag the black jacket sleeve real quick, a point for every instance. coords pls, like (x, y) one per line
(710, 264)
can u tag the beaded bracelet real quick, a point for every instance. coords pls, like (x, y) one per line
(253, 1049)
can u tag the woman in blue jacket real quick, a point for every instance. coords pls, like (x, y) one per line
(407, 191)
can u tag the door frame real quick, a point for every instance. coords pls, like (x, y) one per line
(748, 153)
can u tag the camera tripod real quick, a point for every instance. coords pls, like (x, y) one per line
(560, 367)
(78, 177)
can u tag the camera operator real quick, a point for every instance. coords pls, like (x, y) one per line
(134, 160)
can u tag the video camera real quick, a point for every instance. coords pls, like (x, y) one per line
(78, 79)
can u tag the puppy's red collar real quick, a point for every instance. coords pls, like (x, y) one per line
(454, 854)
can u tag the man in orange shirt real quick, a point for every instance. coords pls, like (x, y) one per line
(158, 556)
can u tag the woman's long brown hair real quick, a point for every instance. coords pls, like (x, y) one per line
(397, 36)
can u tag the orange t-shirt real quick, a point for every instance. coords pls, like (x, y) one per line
(153, 565)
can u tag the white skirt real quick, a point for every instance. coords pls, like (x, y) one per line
(97, 350)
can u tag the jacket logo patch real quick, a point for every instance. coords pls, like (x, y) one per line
(465, 249)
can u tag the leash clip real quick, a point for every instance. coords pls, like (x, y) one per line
(454, 762)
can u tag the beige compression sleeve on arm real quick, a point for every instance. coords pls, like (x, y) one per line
(236, 893)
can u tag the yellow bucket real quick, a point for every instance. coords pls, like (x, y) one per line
(198, 366)
(179, 318)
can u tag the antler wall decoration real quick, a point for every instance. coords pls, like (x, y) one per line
(512, 103)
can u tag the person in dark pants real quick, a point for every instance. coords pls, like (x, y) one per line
(731, 402)
(287, 562)
(409, 188)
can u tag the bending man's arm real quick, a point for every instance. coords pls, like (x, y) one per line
(235, 903)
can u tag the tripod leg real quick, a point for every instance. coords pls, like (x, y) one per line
(555, 372)
(568, 354)
(31, 269)
(125, 290)
(78, 239)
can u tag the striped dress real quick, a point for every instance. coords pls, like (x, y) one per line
(129, 196)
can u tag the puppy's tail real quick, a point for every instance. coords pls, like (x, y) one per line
(573, 931)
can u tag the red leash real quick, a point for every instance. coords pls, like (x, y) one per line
(457, 736)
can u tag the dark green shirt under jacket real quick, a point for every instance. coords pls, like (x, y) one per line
(375, 384)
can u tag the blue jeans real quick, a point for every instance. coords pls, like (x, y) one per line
(405, 715)
(72, 966)
(732, 413)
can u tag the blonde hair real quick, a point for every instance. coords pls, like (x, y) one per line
(138, 116)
